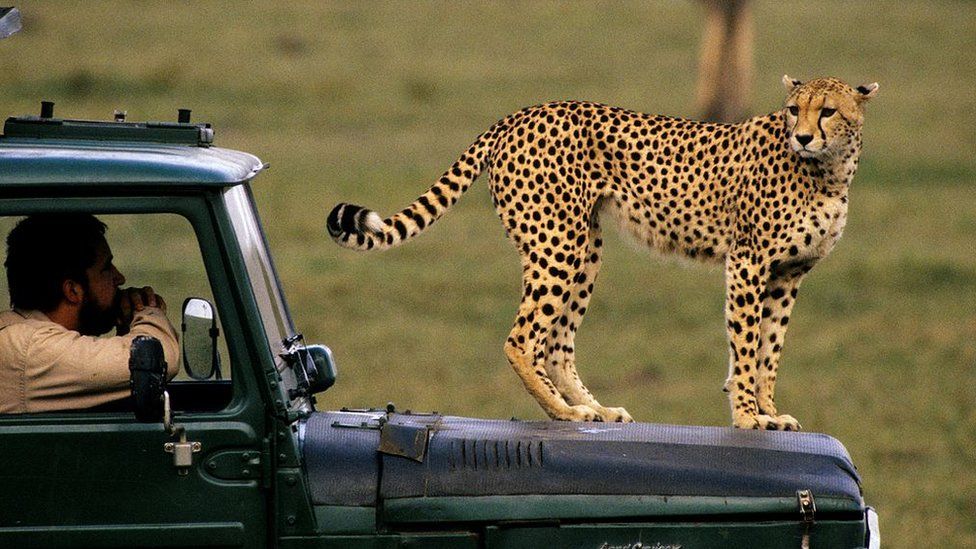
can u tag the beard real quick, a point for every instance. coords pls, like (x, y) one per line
(95, 321)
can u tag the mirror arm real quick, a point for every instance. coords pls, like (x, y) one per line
(296, 355)
(214, 354)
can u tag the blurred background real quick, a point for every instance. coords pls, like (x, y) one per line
(370, 102)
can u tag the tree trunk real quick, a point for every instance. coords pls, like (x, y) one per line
(725, 67)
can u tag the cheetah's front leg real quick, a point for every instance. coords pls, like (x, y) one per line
(745, 276)
(778, 303)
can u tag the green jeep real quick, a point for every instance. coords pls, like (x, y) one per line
(234, 453)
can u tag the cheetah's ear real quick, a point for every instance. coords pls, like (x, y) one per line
(790, 83)
(867, 91)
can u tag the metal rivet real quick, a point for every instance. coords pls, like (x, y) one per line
(290, 481)
(282, 457)
(245, 456)
(291, 520)
(245, 471)
(211, 465)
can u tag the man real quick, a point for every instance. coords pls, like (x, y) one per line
(64, 292)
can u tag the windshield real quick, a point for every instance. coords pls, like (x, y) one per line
(264, 283)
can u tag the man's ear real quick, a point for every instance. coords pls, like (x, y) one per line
(790, 83)
(73, 292)
(867, 91)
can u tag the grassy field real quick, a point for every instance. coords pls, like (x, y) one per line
(370, 104)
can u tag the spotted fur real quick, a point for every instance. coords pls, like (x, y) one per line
(767, 198)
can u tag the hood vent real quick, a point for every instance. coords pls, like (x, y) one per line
(495, 454)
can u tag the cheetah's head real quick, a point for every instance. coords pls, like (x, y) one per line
(824, 116)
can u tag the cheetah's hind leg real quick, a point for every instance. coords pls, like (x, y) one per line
(560, 345)
(540, 309)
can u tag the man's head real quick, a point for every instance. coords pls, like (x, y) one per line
(61, 262)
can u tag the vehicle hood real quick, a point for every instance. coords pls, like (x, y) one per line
(364, 457)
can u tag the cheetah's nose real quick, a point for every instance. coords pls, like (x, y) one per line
(803, 140)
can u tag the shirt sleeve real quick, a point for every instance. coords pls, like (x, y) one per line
(67, 370)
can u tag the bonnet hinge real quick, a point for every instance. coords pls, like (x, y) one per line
(808, 508)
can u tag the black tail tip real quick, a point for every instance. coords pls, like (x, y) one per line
(332, 222)
(346, 219)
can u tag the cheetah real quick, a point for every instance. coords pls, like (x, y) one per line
(766, 198)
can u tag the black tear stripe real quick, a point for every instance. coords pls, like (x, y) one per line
(823, 134)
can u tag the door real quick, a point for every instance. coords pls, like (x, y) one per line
(98, 477)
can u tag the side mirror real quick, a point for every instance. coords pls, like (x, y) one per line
(201, 360)
(147, 378)
(313, 365)
(320, 368)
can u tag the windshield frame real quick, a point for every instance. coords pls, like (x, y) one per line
(265, 285)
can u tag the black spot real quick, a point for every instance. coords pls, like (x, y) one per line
(427, 205)
(401, 229)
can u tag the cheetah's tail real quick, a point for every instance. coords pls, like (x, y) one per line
(359, 228)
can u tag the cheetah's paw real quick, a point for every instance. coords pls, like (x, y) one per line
(580, 412)
(618, 415)
(769, 423)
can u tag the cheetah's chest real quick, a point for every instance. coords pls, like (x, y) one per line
(823, 227)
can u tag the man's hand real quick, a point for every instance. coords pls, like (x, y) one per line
(133, 300)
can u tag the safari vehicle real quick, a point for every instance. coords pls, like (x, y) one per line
(236, 453)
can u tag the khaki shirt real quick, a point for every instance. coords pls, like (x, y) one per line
(46, 367)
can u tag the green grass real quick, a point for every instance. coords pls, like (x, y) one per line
(370, 104)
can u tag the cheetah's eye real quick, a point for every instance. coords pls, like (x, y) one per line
(794, 110)
(827, 113)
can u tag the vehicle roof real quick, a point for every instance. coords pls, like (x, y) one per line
(56, 162)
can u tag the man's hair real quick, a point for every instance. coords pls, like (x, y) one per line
(43, 251)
